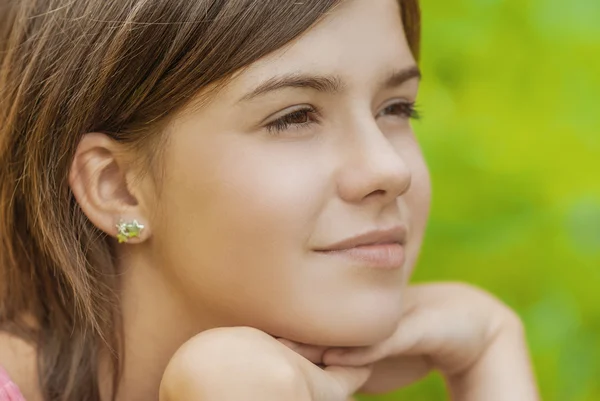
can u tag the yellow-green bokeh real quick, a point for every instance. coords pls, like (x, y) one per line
(511, 130)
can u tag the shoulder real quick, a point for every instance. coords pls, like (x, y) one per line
(19, 360)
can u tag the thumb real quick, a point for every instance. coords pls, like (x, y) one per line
(342, 382)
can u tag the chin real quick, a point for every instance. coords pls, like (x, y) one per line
(356, 336)
(361, 331)
(344, 326)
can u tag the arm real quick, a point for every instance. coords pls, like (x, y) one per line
(228, 365)
(245, 364)
(502, 373)
(474, 340)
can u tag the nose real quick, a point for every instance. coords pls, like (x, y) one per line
(374, 168)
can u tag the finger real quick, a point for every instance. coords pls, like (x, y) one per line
(289, 343)
(344, 382)
(311, 352)
(394, 373)
(418, 334)
(359, 356)
(411, 328)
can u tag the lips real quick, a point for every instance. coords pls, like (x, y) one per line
(381, 249)
(393, 235)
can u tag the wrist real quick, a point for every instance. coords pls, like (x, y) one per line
(503, 371)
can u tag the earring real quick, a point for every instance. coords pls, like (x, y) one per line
(127, 230)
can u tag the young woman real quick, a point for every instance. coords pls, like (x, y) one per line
(224, 200)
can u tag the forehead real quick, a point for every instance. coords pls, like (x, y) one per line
(358, 40)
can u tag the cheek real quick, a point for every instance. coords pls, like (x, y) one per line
(238, 218)
(266, 198)
(416, 202)
(234, 228)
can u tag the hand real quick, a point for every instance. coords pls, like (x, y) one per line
(242, 363)
(472, 338)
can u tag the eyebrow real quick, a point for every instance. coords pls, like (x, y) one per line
(399, 77)
(327, 84)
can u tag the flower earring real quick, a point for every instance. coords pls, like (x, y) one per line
(127, 230)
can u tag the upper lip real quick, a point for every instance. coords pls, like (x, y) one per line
(392, 235)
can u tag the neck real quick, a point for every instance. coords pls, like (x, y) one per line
(156, 323)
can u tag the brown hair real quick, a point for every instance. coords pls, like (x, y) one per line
(121, 68)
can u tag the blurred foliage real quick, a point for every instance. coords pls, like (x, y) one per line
(511, 131)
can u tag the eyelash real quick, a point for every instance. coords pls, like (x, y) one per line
(408, 110)
(287, 121)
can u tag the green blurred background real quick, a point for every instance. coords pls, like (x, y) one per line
(511, 130)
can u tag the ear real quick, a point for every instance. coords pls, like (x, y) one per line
(103, 181)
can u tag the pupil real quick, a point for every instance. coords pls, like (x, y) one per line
(298, 117)
(395, 109)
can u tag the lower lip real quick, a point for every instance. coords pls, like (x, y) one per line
(380, 256)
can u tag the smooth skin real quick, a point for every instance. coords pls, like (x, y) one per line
(224, 296)
(475, 341)
(248, 185)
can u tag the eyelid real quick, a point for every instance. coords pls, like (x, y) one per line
(280, 121)
(407, 109)
(394, 101)
(284, 112)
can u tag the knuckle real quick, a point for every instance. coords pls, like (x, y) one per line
(513, 321)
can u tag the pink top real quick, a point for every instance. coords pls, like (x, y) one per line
(8, 390)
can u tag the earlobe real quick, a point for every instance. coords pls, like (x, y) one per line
(127, 230)
(99, 181)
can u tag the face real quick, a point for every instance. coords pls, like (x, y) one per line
(307, 148)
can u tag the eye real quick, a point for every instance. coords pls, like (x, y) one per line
(294, 119)
(403, 109)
